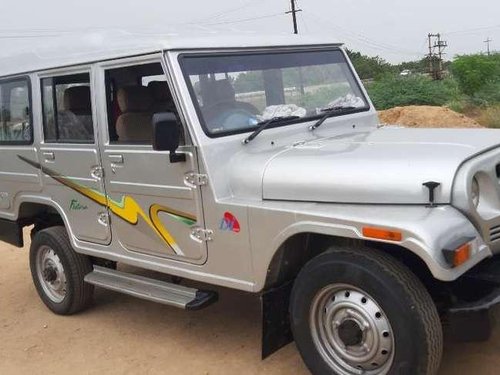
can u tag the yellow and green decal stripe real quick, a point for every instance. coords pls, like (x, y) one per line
(127, 208)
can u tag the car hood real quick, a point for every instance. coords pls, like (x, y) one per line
(384, 166)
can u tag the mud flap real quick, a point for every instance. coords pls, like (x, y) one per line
(276, 331)
(11, 232)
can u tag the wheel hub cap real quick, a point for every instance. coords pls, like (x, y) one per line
(351, 331)
(51, 274)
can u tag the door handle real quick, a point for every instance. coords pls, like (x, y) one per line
(116, 162)
(49, 156)
(116, 159)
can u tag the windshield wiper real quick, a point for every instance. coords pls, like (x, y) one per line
(264, 124)
(329, 112)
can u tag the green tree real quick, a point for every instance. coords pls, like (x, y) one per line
(370, 67)
(475, 73)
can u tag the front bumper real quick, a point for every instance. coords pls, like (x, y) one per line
(474, 320)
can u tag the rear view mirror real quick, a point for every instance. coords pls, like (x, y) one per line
(167, 135)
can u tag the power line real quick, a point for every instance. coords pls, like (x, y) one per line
(472, 31)
(365, 40)
(214, 16)
(218, 15)
(243, 20)
(228, 11)
(29, 36)
(303, 19)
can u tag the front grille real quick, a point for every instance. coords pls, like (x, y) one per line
(495, 233)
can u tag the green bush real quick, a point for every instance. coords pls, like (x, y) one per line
(478, 77)
(490, 117)
(457, 105)
(394, 91)
(488, 95)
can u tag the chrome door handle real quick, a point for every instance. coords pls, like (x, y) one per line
(116, 159)
(49, 156)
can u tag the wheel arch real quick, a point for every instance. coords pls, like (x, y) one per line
(37, 212)
(42, 213)
(292, 255)
(300, 248)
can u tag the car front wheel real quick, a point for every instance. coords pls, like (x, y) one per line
(359, 311)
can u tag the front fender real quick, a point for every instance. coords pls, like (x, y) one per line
(425, 231)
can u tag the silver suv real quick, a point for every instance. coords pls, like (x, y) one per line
(257, 164)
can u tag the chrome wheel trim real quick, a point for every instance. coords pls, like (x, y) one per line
(51, 274)
(351, 332)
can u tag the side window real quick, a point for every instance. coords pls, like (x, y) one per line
(134, 95)
(67, 109)
(15, 112)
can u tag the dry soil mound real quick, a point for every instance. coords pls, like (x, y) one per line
(426, 117)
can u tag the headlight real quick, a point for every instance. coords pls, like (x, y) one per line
(475, 192)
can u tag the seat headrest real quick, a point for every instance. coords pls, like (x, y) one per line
(77, 99)
(134, 99)
(224, 91)
(160, 91)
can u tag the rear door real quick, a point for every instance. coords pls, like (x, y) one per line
(16, 142)
(155, 207)
(69, 155)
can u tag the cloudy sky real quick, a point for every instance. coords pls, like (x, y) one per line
(393, 29)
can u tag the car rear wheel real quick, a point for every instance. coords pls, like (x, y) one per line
(359, 311)
(58, 272)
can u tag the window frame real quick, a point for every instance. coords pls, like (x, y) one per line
(126, 64)
(219, 53)
(29, 142)
(54, 100)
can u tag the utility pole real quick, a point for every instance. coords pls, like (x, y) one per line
(294, 12)
(430, 56)
(435, 42)
(488, 41)
(441, 46)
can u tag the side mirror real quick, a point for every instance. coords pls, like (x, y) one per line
(166, 135)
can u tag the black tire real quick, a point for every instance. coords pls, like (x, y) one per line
(78, 294)
(416, 327)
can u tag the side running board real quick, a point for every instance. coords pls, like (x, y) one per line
(151, 289)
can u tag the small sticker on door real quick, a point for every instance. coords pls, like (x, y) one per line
(75, 205)
(229, 223)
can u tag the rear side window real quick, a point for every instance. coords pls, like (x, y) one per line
(67, 109)
(15, 112)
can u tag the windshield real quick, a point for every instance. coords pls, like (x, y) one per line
(234, 93)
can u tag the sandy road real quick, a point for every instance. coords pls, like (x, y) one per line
(123, 335)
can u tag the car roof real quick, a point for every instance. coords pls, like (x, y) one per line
(82, 48)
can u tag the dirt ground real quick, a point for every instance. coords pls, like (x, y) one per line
(426, 117)
(123, 335)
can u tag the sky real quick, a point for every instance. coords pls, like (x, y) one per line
(395, 30)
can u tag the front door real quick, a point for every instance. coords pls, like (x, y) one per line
(69, 156)
(154, 209)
